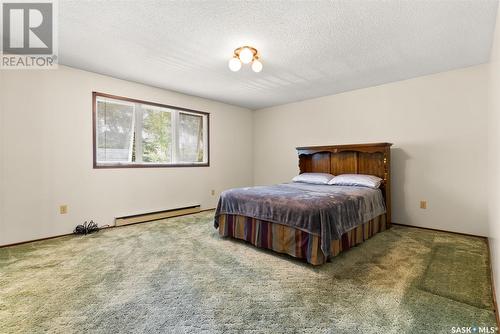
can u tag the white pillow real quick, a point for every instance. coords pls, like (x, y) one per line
(362, 180)
(315, 178)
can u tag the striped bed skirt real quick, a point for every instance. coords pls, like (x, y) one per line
(294, 242)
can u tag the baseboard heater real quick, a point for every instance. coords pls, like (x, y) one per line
(150, 216)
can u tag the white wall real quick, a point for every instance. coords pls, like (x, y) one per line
(46, 155)
(437, 124)
(494, 158)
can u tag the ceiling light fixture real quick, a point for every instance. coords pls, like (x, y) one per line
(245, 55)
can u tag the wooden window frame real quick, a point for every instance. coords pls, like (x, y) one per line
(97, 165)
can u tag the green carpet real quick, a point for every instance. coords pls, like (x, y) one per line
(178, 276)
(458, 271)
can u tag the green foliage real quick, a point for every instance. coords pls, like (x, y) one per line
(157, 136)
(191, 138)
(114, 125)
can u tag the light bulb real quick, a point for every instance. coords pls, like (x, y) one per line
(234, 64)
(246, 55)
(256, 66)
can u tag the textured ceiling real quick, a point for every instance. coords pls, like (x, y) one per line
(308, 49)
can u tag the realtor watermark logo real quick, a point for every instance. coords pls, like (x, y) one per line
(29, 34)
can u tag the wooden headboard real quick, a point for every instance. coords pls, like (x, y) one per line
(373, 159)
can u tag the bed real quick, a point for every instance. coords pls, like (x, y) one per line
(309, 221)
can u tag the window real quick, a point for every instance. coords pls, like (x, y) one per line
(133, 133)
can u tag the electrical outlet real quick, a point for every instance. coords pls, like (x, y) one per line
(63, 209)
(423, 204)
(212, 192)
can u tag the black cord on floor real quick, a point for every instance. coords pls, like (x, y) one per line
(87, 228)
